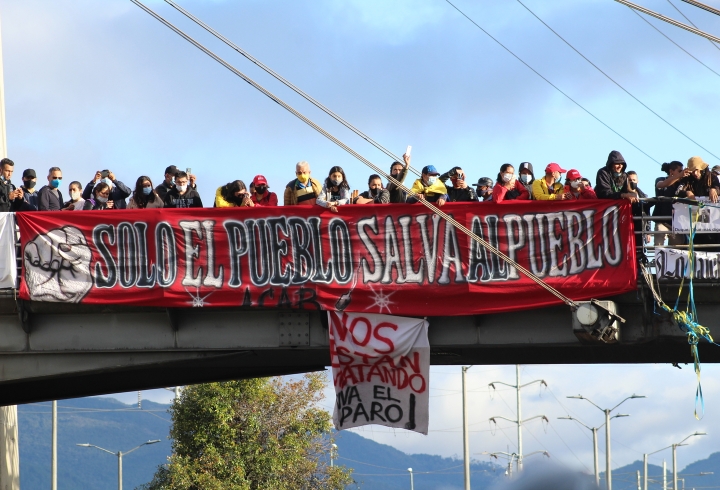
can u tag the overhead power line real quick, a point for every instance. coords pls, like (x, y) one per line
(669, 20)
(287, 83)
(676, 44)
(549, 82)
(703, 6)
(613, 80)
(691, 22)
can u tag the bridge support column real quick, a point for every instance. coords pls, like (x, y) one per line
(9, 456)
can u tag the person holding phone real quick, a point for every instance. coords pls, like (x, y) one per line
(233, 194)
(181, 196)
(100, 199)
(460, 191)
(118, 191)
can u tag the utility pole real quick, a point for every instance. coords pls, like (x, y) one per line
(607, 411)
(595, 445)
(517, 386)
(53, 464)
(638, 480)
(674, 459)
(466, 438)
(119, 455)
(645, 471)
(664, 475)
(9, 450)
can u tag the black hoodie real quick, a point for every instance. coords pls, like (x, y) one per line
(607, 186)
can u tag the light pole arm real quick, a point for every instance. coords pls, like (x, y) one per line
(580, 397)
(536, 417)
(492, 385)
(541, 381)
(663, 449)
(141, 445)
(626, 399)
(492, 419)
(97, 447)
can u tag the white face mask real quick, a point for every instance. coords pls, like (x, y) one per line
(526, 178)
(575, 183)
(181, 188)
(75, 195)
(431, 179)
(101, 199)
(508, 177)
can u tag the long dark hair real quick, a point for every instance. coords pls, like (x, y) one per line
(503, 168)
(139, 197)
(343, 185)
(99, 188)
(228, 191)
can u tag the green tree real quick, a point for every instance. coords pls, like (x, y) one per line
(251, 434)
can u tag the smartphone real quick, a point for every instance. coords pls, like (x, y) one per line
(188, 170)
(408, 150)
(104, 174)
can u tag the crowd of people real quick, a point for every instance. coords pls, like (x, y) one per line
(179, 189)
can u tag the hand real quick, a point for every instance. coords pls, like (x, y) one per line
(406, 159)
(362, 200)
(567, 196)
(713, 195)
(581, 187)
(460, 184)
(333, 208)
(111, 176)
(110, 204)
(689, 195)
(192, 180)
(248, 202)
(686, 172)
(421, 196)
(69, 207)
(98, 176)
(440, 202)
(630, 196)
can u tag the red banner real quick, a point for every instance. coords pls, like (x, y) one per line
(393, 259)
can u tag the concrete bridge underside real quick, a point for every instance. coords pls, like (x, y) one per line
(54, 351)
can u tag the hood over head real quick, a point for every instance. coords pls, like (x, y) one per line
(614, 158)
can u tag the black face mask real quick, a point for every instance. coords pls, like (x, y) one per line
(260, 189)
(633, 185)
(374, 192)
(29, 184)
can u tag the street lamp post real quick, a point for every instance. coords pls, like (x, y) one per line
(333, 454)
(514, 456)
(674, 457)
(412, 485)
(119, 455)
(607, 411)
(466, 438)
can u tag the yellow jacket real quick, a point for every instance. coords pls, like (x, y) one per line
(220, 201)
(540, 190)
(437, 188)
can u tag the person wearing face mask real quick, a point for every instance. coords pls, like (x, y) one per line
(429, 187)
(100, 199)
(260, 194)
(484, 188)
(668, 187)
(700, 181)
(549, 187)
(49, 197)
(376, 194)
(507, 187)
(575, 187)
(304, 190)
(398, 171)
(144, 196)
(118, 191)
(233, 194)
(460, 191)
(611, 181)
(30, 195)
(335, 191)
(182, 196)
(76, 202)
(527, 176)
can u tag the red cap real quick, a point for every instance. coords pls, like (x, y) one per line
(573, 174)
(259, 180)
(554, 167)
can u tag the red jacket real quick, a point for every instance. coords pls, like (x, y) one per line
(499, 191)
(270, 199)
(588, 193)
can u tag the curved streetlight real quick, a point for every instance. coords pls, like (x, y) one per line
(412, 486)
(674, 458)
(119, 455)
(606, 411)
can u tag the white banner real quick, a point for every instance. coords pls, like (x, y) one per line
(8, 263)
(381, 370)
(707, 222)
(671, 263)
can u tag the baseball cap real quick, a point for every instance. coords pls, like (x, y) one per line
(430, 170)
(259, 180)
(29, 173)
(526, 166)
(554, 167)
(172, 170)
(573, 174)
(484, 182)
(716, 169)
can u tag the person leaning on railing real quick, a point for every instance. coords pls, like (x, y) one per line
(702, 182)
(576, 188)
(507, 187)
(668, 187)
(335, 191)
(233, 194)
(549, 187)
(375, 194)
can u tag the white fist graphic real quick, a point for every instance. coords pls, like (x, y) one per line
(57, 266)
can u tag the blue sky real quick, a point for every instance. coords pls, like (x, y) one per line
(99, 84)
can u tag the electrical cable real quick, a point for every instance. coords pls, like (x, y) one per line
(488, 246)
(613, 80)
(676, 44)
(288, 83)
(691, 22)
(550, 83)
(669, 20)
(710, 9)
